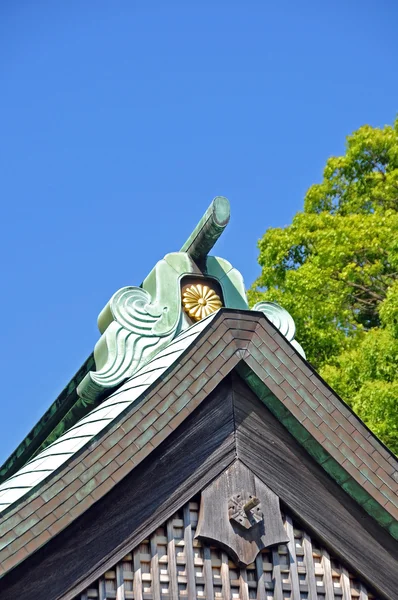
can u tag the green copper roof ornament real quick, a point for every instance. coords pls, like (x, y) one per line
(139, 321)
(282, 321)
(208, 230)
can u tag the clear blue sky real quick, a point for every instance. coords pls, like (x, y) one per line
(121, 120)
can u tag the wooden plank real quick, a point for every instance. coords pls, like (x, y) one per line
(363, 593)
(101, 589)
(201, 448)
(310, 495)
(226, 586)
(119, 583)
(208, 573)
(171, 560)
(345, 584)
(244, 589)
(188, 551)
(276, 575)
(155, 568)
(309, 567)
(261, 593)
(327, 576)
(293, 560)
(137, 582)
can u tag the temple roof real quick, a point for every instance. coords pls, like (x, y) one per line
(176, 392)
(137, 323)
(99, 451)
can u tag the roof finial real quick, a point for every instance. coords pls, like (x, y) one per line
(208, 230)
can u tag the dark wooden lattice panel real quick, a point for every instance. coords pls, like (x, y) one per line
(172, 565)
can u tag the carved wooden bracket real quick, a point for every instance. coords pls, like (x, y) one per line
(241, 514)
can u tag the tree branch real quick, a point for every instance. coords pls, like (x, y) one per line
(366, 290)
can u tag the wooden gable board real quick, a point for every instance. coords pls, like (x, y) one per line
(231, 423)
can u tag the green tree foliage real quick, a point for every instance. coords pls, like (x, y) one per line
(335, 269)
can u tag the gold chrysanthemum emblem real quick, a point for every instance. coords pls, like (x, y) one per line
(199, 301)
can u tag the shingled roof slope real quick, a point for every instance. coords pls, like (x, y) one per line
(203, 356)
(54, 456)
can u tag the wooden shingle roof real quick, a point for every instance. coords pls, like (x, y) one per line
(148, 409)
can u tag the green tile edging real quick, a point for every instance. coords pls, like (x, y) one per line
(314, 448)
(61, 415)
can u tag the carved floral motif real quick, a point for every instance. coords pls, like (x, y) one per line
(200, 301)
